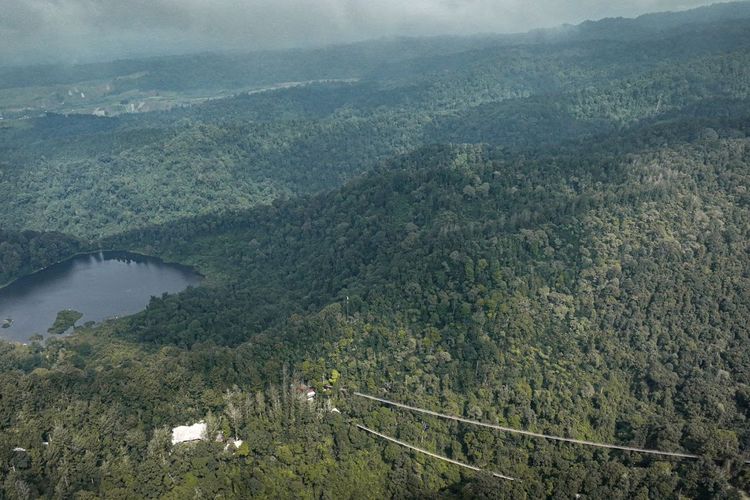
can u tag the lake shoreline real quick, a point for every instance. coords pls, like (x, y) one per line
(98, 284)
(101, 250)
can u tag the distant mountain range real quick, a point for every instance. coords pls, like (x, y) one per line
(547, 231)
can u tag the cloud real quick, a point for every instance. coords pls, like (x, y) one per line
(90, 29)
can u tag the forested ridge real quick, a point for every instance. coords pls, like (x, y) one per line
(561, 248)
(96, 176)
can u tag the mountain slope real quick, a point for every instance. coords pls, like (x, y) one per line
(575, 262)
(106, 175)
(600, 297)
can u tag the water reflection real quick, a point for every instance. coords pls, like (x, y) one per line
(99, 285)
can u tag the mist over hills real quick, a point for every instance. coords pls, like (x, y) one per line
(354, 60)
(78, 31)
(546, 231)
(389, 97)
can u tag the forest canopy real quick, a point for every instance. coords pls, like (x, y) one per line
(535, 234)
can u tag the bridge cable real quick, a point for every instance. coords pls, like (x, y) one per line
(532, 434)
(433, 455)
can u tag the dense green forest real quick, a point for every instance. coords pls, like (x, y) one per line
(536, 231)
(27, 251)
(96, 176)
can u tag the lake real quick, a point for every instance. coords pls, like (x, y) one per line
(100, 285)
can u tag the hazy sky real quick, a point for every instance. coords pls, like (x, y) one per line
(80, 30)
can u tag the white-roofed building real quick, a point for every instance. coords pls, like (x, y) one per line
(188, 433)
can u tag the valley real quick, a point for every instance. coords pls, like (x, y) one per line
(418, 267)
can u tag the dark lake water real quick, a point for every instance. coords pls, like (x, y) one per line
(99, 285)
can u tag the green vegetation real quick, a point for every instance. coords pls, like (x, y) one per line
(23, 252)
(64, 321)
(93, 177)
(572, 259)
(572, 308)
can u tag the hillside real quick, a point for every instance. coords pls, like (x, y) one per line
(533, 231)
(595, 296)
(95, 176)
